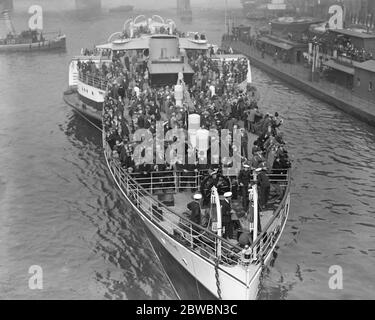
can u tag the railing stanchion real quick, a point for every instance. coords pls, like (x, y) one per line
(175, 181)
(191, 237)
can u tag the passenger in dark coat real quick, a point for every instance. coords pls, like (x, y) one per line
(127, 62)
(226, 213)
(264, 186)
(244, 179)
(195, 209)
(195, 216)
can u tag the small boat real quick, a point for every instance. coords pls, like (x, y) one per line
(19, 43)
(195, 37)
(30, 40)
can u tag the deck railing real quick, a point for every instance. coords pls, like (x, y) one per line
(96, 82)
(175, 181)
(170, 181)
(198, 238)
(178, 226)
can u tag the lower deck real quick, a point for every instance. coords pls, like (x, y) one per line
(177, 203)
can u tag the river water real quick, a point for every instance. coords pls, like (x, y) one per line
(60, 210)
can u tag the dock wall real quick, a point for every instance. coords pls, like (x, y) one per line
(362, 110)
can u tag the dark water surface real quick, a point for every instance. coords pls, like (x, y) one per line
(60, 209)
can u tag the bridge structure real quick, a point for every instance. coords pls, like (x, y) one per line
(184, 10)
(6, 5)
(78, 4)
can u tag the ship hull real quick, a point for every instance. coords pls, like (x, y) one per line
(184, 284)
(91, 96)
(56, 44)
(85, 94)
(92, 114)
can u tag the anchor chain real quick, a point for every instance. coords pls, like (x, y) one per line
(217, 278)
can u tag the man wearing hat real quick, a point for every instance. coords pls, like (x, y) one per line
(226, 213)
(244, 179)
(195, 215)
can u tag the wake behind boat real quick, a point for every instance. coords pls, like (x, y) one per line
(187, 146)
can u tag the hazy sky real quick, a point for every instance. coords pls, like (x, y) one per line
(139, 4)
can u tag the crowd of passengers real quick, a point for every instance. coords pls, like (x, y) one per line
(133, 103)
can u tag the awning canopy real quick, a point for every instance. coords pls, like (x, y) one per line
(105, 46)
(367, 65)
(354, 33)
(170, 68)
(281, 45)
(133, 44)
(334, 65)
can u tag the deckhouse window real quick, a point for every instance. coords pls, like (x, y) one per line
(370, 86)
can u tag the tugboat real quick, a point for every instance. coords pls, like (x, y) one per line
(155, 135)
(29, 40)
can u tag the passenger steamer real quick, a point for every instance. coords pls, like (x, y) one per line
(220, 267)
